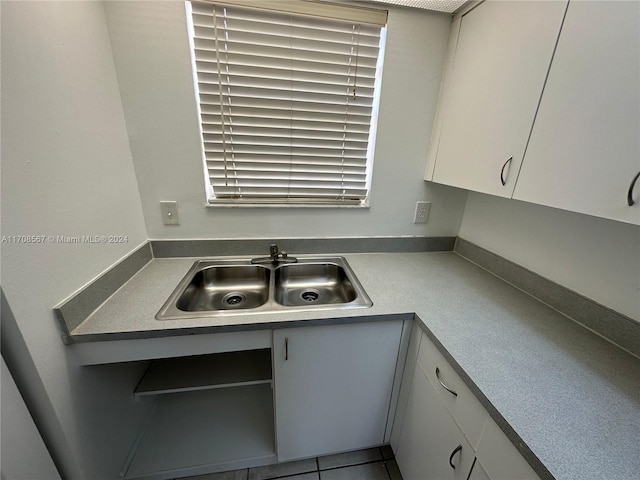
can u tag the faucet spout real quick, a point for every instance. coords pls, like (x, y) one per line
(274, 253)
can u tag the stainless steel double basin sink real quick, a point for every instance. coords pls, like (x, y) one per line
(224, 287)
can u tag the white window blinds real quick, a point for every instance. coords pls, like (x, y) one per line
(286, 104)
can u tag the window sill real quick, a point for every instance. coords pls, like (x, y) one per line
(285, 205)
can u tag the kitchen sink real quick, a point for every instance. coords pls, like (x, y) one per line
(313, 284)
(228, 287)
(235, 286)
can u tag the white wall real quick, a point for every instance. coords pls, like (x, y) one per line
(66, 170)
(24, 455)
(597, 258)
(151, 52)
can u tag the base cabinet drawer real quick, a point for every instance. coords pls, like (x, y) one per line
(431, 446)
(461, 402)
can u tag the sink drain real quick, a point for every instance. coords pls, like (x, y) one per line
(310, 295)
(234, 298)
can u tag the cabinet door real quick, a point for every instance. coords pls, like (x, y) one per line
(584, 149)
(478, 473)
(333, 386)
(499, 457)
(501, 60)
(430, 436)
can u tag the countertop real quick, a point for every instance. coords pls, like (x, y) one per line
(570, 395)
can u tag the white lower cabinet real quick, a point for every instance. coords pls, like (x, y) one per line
(445, 426)
(431, 445)
(313, 391)
(333, 387)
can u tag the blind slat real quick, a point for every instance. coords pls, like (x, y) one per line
(287, 136)
(320, 191)
(256, 113)
(286, 150)
(293, 37)
(269, 179)
(308, 12)
(328, 103)
(297, 107)
(293, 152)
(310, 162)
(353, 173)
(291, 91)
(215, 132)
(252, 76)
(257, 56)
(245, 122)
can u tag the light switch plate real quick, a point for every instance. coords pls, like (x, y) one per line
(169, 213)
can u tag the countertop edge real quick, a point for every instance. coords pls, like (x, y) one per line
(212, 329)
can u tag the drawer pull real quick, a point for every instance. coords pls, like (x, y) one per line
(630, 192)
(286, 348)
(502, 179)
(456, 450)
(452, 392)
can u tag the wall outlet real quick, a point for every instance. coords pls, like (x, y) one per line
(421, 214)
(169, 213)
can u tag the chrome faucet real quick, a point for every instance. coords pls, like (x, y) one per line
(275, 257)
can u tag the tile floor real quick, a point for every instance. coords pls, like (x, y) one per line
(370, 464)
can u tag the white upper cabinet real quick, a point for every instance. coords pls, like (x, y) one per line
(493, 87)
(584, 150)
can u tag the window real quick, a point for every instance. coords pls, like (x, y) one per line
(287, 101)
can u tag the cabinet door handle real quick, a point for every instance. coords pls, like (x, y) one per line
(452, 392)
(502, 179)
(455, 450)
(630, 192)
(286, 348)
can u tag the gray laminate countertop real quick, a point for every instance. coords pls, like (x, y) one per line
(570, 395)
